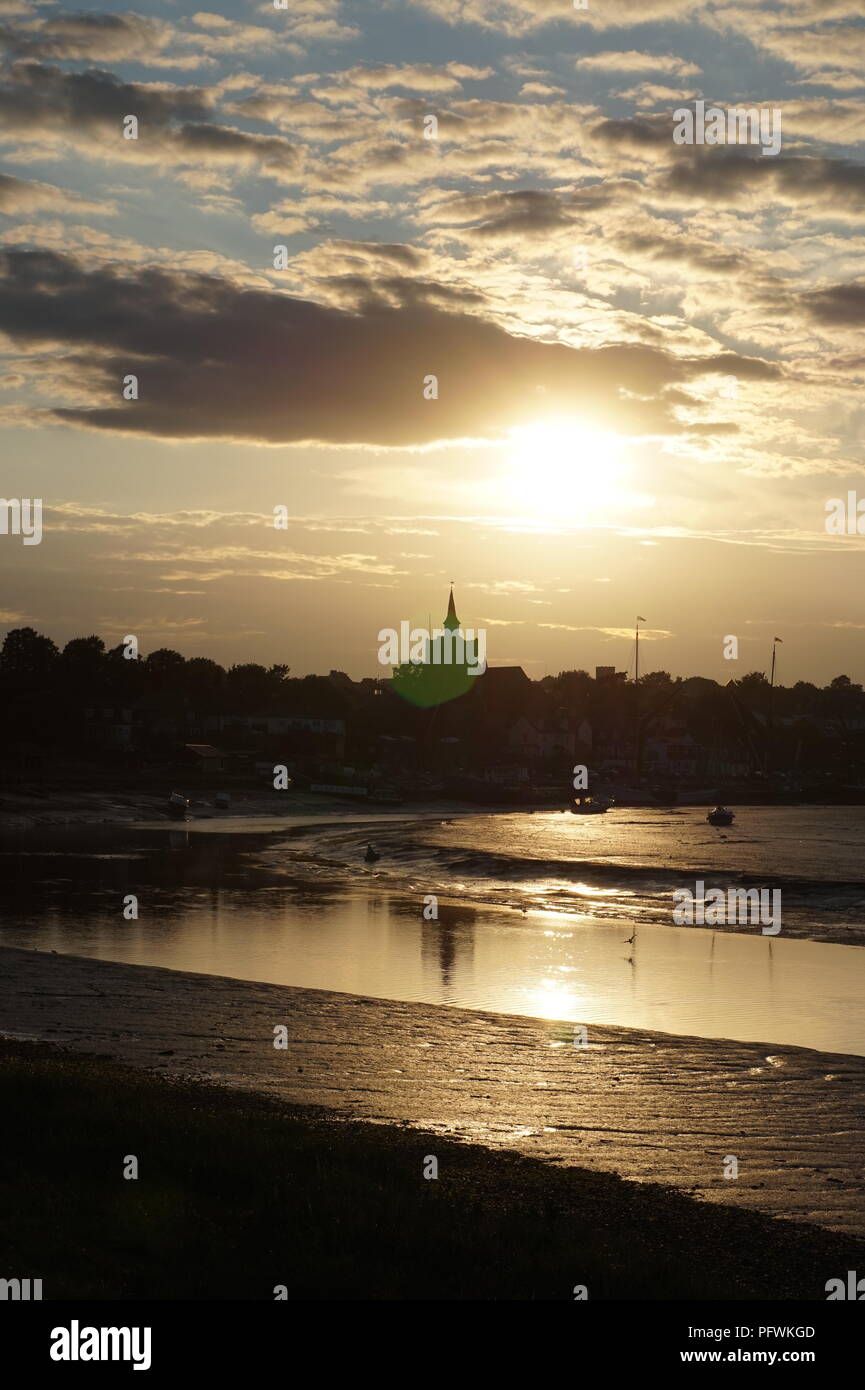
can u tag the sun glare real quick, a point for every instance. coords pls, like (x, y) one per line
(561, 468)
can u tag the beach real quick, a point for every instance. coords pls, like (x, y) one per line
(275, 1026)
(645, 1106)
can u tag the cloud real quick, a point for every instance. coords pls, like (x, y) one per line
(36, 97)
(783, 33)
(633, 60)
(517, 17)
(198, 40)
(220, 360)
(541, 89)
(835, 306)
(27, 195)
(530, 212)
(654, 94)
(39, 103)
(93, 36)
(641, 135)
(419, 77)
(836, 122)
(652, 634)
(826, 187)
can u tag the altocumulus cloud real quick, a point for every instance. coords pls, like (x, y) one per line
(40, 103)
(220, 360)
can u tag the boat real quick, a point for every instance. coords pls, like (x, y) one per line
(371, 855)
(222, 800)
(720, 816)
(589, 806)
(178, 805)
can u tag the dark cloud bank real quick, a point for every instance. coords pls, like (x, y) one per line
(220, 360)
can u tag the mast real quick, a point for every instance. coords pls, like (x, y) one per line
(769, 725)
(637, 650)
(638, 740)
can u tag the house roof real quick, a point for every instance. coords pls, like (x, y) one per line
(503, 678)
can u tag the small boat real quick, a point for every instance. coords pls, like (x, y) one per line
(589, 806)
(371, 855)
(178, 805)
(720, 816)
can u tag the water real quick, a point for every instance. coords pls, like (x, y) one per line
(546, 915)
(626, 864)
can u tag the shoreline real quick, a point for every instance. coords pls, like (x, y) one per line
(22, 814)
(648, 1107)
(242, 1197)
(24, 811)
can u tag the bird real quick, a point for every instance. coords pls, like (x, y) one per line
(629, 940)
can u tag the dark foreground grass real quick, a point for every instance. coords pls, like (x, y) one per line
(238, 1194)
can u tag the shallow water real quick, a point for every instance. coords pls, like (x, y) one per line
(270, 908)
(626, 864)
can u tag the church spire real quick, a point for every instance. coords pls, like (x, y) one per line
(452, 621)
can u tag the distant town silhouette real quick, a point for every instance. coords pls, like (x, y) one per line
(506, 733)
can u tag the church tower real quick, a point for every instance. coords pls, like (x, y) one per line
(449, 667)
(452, 621)
(442, 650)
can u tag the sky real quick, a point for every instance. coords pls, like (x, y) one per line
(532, 346)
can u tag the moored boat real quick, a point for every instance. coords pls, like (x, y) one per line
(720, 816)
(178, 805)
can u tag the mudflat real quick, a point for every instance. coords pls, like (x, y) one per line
(645, 1106)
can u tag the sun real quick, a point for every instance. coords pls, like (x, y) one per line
(563, 468)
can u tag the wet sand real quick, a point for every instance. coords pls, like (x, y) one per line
(643, 1105)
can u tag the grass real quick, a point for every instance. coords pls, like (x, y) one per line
(237, 1194)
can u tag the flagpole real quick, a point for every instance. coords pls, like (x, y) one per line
(638, 751)
(769, 721)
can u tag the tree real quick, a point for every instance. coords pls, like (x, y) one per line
(203, 679)
(26, 656)
(164, 669)
(249, 687)
(82, 659)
